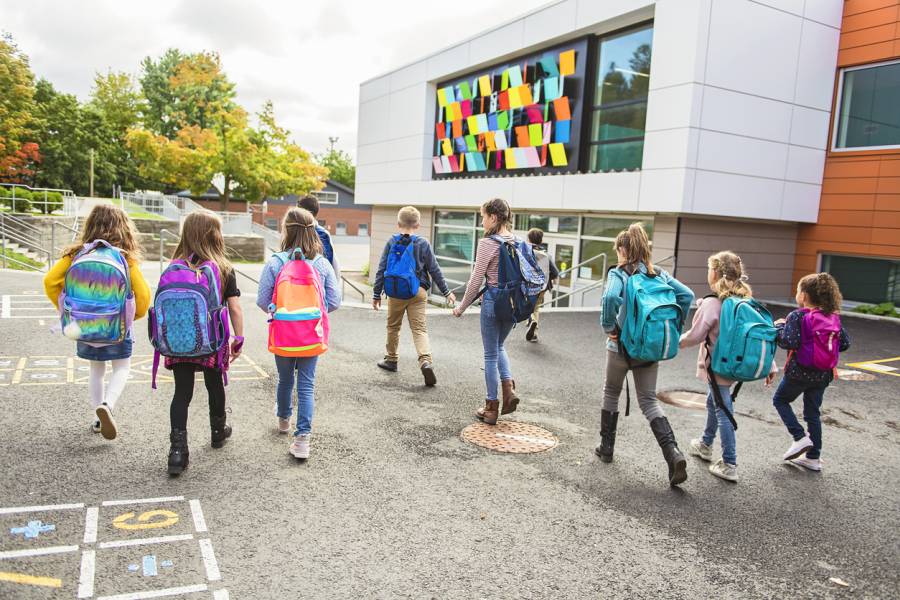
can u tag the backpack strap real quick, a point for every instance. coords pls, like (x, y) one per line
(717, 393)
(155, 368)
(292, 254)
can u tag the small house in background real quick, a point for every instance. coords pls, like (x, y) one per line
(337, 211)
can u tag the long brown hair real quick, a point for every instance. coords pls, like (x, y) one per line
(298, 230)
(636, 245)
(499, 208)
(110, 223)
(823, 292)
(201, 237)
(732, 278)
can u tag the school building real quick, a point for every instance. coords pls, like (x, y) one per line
(708, 120)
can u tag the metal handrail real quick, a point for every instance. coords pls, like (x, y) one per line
(345, 282)
(600, 283)
(53, 226)
(239, 272)
(584, 262)
(162, 245)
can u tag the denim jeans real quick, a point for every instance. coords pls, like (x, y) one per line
(787, 392)
(305, 368)
(717, 419)
(493, 334)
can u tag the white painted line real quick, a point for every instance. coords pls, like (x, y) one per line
(86, 578)
(90, 525)
(209, 560)
(4, 307)
(526, 438)
(21, 509)
(157, 540)
(37, 552)
(220, 595)
(197, 512)
(143, 501)
(877, 367)
(188, 589)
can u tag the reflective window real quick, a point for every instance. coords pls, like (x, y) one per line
(566, 224)
(450, 217)
(869, 115)
(873, 280)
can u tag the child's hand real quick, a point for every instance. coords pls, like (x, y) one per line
(770, 379)
(456, 312)
(613, 336)
(780, 322)
(237, 346)
(376, 303)
(451, 298)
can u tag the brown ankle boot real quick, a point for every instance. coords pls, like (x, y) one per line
(510, 400)
(489, 412)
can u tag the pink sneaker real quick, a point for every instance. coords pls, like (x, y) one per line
(284, 425)
(810, 464)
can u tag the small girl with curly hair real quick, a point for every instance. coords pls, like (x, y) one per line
(813, 336)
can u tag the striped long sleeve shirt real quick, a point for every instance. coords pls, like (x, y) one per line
(486, 268)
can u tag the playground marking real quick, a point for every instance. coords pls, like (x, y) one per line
(143, 501)
(86, 576)
(879, 366)
(90, 525)
(49, 507)
(145, 520)
(145, 541)
(188, 589)
(209, 560)
(30, 579)
(197, 513)
(36, 552)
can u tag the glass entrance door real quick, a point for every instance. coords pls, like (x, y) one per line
(563, 253)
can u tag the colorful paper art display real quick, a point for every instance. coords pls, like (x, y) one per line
(517, 116)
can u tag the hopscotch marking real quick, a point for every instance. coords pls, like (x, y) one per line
(88, 563)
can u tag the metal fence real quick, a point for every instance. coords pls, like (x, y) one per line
(158, 204)
(42, 200)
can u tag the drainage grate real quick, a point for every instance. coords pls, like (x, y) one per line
(683, 399)
(509, 436)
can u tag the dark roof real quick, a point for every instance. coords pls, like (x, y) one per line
(338, 185)
(213, 194)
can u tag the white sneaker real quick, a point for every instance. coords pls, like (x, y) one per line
(698, 448)
(107, 423)
(799, 447)
(284, 425)
(723, 470)
(300, 446)
(95, 426)
(811, 464)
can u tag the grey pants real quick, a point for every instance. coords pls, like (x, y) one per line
(644, 383)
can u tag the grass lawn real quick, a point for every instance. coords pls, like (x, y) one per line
(22, 259)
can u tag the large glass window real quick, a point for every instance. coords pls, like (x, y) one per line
(869, 116)
(565, 224)
(620, 100)
(455, 238)
(598, 236)
(873, 280)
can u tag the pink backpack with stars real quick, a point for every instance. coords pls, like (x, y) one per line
(820, 340)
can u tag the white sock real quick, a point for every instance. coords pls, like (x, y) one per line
(95, 382)
(117, 381)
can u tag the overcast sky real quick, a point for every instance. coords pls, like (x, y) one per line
(307, 56)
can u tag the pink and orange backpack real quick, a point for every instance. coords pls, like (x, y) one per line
(298, 323)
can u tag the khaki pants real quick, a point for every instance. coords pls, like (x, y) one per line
(414, 308)
(535, 316)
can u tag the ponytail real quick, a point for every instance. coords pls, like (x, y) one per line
(635, 243)
(731, 278)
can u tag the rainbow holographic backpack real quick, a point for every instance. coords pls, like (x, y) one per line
(96, 304)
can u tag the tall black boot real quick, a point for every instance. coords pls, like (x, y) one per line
(219, 431)
(608, 422)
(178, 451)
(674, 458)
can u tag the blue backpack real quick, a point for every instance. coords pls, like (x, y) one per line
(653, 319)
(327, 249)
(519, 281)
(400, 279)
(745, 348)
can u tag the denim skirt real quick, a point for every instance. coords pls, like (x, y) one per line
(112, 352)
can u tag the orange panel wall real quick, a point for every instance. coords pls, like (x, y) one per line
(859, 212)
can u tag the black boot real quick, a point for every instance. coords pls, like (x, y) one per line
(608, 422)
(178, 451)
(219, 431)
(674, 458)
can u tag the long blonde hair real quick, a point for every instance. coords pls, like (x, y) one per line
(731, 276)
(110, 223)
(823, 292)
(635, 242)
(499, 208)
(298, 230)
(201, 237)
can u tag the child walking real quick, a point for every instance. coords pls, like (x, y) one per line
(202, 243)
(405, 274)
(814, 338)
(633, 252)
(107, 272)
(298, 233)
(726, 278)
(551, 274)
(496, 217)
(311, 204)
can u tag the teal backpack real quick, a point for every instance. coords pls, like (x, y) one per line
(653, 319)
(745, 348)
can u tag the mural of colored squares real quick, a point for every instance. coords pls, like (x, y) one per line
(515, 116)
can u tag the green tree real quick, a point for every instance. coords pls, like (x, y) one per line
(340, 167)
(16, 112)
(121, 106)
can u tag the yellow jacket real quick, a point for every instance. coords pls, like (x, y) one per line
(53, 284)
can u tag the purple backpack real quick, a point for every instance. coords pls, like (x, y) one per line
(820, 340)
(188, 318)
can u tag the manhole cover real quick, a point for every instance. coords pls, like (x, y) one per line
(851, 375)
(509, 436)
(683, 399)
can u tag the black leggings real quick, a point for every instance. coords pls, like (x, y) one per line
(184, 391)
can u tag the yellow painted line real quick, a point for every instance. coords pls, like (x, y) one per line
(145, 520)
(880, 360)
(868, 365)
(19, 368)
(30, 579)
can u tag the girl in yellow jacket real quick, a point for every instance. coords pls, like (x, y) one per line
(110, 224)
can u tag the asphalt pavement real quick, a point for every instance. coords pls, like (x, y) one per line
(392, 503)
